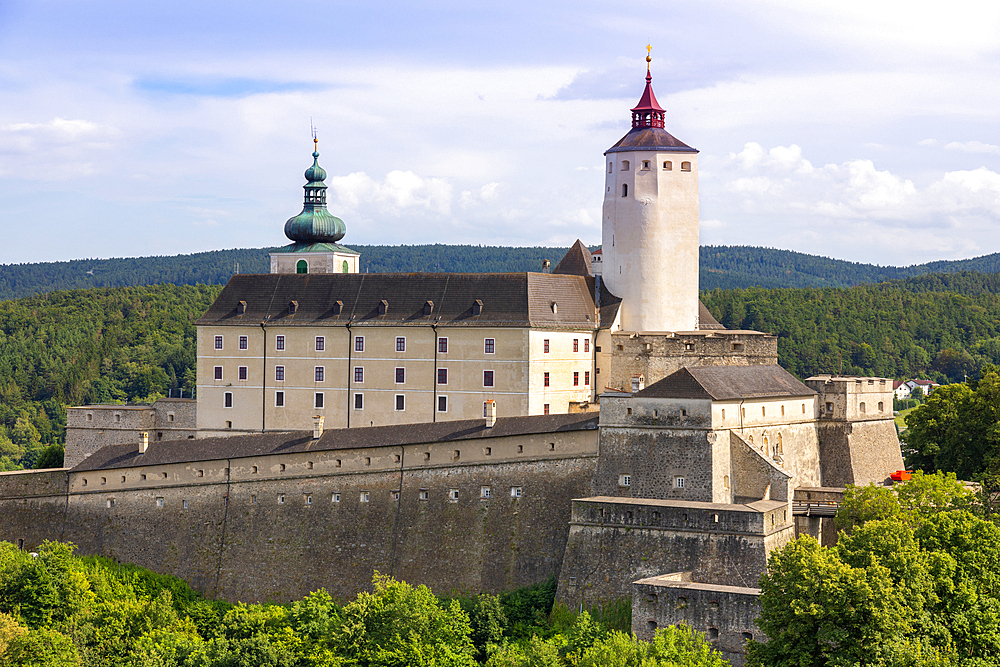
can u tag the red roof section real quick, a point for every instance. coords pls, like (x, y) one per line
(648, 100)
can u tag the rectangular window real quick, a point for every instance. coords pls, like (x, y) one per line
(443, 345)
(400, 376)
(279, 373)
(318, 403)
(359, 374)
(335, 498)
(218, 372)
(320, 343)
(487, 378)
(586, 345)
(515, 492)
(400, 344)
(359, 401)
(243, 342)
(320, 373)
(359, 343)
(545, 379)
(576, 378)
(586, 378)
(279, 399)
(442, 376)
(442, 404)
(242, 373)
(400, 402)
(679, 482)
(576, 344)
(279, 343)
(365, 496)
(484, 492)
(218, 342)
(489, 345)
(545, 346)
(452, 494)
(545, 409)
(228, 399)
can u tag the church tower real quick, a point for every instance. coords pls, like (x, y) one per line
(650, 225)
(314, 232)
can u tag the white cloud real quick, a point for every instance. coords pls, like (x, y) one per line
(398, 193)
(973, 147)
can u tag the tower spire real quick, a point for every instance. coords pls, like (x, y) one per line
(315, 224)
(648, 112)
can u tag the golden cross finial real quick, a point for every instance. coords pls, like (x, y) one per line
(649, 47)
(312, 128)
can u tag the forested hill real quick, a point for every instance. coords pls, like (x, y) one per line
(723, 267)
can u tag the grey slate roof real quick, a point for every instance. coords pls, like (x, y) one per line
(575, 262)
(650, 139)
(723, 383)
(263, 444)
(509, 299)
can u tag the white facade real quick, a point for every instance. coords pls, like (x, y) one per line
(650, 238)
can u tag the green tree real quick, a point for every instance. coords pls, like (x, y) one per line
(41, 647)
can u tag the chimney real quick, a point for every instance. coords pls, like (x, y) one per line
(491, 413)
(317, 427)
(143, 442)
(638, 383)
(545, 265)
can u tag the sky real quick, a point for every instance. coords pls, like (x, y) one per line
(859, 130)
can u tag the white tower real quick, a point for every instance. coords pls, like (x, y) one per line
(650, 226)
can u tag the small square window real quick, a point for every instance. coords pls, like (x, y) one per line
(443, 345)
(489, 345)
(218, 342)
(424, 494)
(394, 495)
(359, 401)
(400, 376)
(365, 496)
(281, 499)
(487, 378)
(279, 343)
(242, 373)
(318, 402)
(218, 372)
(243, 342)
(515, 492)
(442, 376)
(279, 373)
(359, 343)
(679, 482)
(335, 498)
(453, 495)
(320, 343)
(400, 402)
(279, 399)
(442, 404)
(111, 502)
(320, 373)
(308, 499)
(625, 480)
(484, 492)
(400, 344)
(159, 502)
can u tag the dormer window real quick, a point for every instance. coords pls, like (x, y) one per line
(383, 307)
(241, 307)
(338, 307)
(293, 306)
(428, 307)
(477, 307)
(302, 266)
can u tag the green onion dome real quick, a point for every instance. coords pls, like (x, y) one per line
(315, 224)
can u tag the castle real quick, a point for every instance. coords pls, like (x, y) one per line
(477, 432)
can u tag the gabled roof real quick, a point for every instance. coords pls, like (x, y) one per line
(576, 262)
(705, 318)
(264, 444)
(725, 383)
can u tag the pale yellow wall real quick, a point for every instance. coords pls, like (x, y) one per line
(518, 364)
(561, 362)
(650, 239)
(319, 262)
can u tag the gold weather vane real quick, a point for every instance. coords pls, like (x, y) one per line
(312, 129)
(649, 47)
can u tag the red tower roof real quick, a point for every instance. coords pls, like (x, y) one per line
(648, 112)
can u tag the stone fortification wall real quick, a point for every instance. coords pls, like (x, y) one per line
(274, 528)
(725, 614)
(657, 355)
(614, 541)
(90, 427)
(32, 506)
(858, 452)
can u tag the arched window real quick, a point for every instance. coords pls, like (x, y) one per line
(862, 408)
(344, 267)
(301, 266)
(624, 189)
(780, 449)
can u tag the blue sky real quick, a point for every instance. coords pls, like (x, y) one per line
(859, 130)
